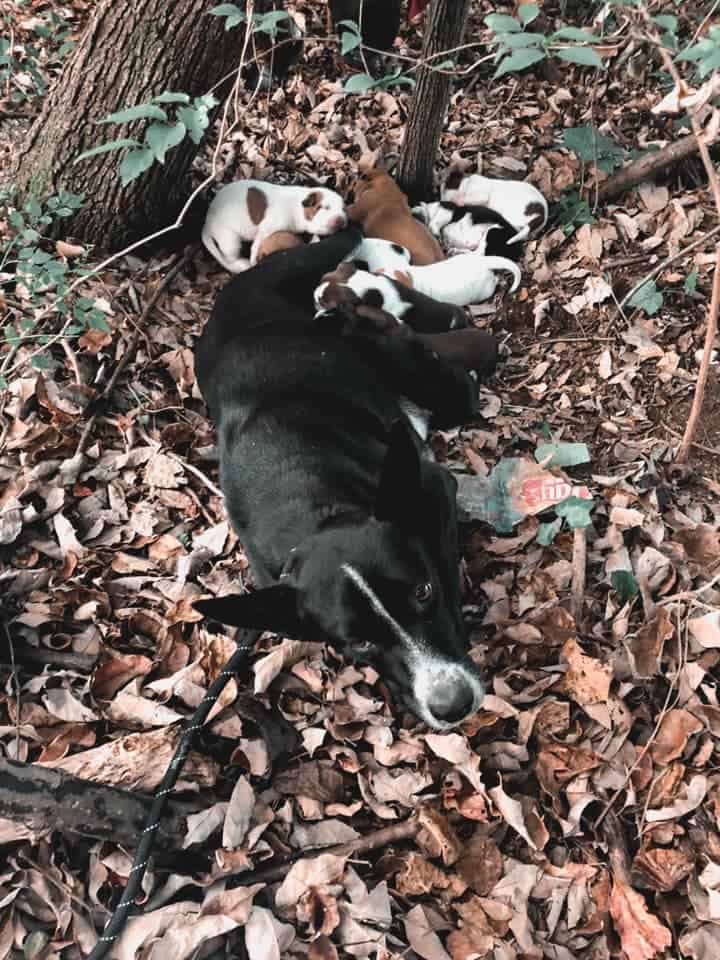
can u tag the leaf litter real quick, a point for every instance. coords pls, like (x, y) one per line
(501, 848)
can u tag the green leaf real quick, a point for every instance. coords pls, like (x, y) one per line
(573, 33)
(576, 511)
(527, 13)
(41, 362)
(585, 56)
(502, 23)
(3, 383)
(233, 14)
(168, 97)
(562, 454)
(515, 41)
(161, 137)
(350, 25)
(107, 148)
(624, 584)
(547, 532)
(647, 298)
(143, 111)
(667, 22)
(349, 41)
(195, 120)
(591, 146)
(690, 285)
(33, 208)
(134, 163)
(359, 83)
(520, 60)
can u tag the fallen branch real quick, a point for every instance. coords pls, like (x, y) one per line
(41, 800)
(647, 166)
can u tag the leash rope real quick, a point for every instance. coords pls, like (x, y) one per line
(115, 925)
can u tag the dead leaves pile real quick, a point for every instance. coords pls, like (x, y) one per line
(576, 815)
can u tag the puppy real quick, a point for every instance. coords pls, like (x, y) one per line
(469, 229)
(348, 284)
(520, 203)
(373, 254)
(383, 210)
(281, 240)
(252, 210)
(462, 280)
(350, 533)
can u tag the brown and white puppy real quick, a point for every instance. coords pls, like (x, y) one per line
(280, 240)
(252, 210)
(347, 284)
(384, 212)
(520, 203)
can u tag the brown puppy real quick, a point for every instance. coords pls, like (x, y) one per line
(384, 212)
(280, 240)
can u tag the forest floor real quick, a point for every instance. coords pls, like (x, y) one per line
(576, 816)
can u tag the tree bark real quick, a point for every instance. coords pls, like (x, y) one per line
(40, 800)
(130, 52)
(443, 31)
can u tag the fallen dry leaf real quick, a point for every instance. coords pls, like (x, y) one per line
(641, 934)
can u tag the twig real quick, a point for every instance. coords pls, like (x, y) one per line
(668, 260)
(712, 321)
(579, 562)
(72, 360)
(689, 594)
(16, 684)
(198, 473)
(372, 841)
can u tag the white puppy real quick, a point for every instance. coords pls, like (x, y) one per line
(467, 229)
(518, 202)
(461, 280)
(375, 254)
(251, 210)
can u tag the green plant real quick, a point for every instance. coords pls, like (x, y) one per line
(32, 267)
(591, 146)
(647, 298)
(23, 65)
(168, 128)
(705, 53)
(518, 48)
(571, 212)
(362, 82)
(274, 23)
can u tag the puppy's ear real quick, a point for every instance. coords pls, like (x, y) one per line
(274, 608)
(400, 498)
(311, 200)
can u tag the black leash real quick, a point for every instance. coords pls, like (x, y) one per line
(115, 925)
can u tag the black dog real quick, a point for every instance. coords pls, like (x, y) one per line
(352, 536)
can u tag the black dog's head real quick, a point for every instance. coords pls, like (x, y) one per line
(382, 590)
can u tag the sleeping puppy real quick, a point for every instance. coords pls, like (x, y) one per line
(469, 229)
(374, 254)
(348, 284)
(252, 210)
(519, 202)
(462, 280)
(384, 212)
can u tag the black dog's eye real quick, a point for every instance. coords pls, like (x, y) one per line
(423, 592)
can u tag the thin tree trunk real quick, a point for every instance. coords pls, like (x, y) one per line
(443, 31)
(130, 52)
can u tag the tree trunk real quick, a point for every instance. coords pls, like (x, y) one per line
(130, 52)
(443, 31)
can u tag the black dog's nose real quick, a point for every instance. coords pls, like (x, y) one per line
(451, 700)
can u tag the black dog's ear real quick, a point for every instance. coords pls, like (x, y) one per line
(399, 498)
(273, 608)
